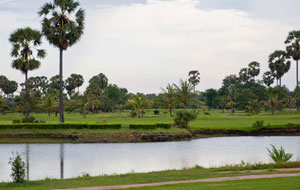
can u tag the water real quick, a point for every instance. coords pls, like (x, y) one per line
(72, 160)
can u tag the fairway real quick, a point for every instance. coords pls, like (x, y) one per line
(215, 120)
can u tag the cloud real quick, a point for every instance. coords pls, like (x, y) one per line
(145, 45)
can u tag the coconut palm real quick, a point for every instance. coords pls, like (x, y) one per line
(168, 98)
(194, 78)
(183, 92)
(254, 69)
(24, 42)
(232, 92)
(271, 104)
(62, 32)
(290, 103)
(293, 49)
(139, 104)
(254, 107)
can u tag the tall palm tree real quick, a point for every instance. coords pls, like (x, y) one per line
(139, 103)
(279, 64)
(244, 75)
(184, 92)
(62, 32)
(168, 98)
(24, 42)
(293, 49)
(268, 78)
(194, 78)
(253, 69)
(232, 92)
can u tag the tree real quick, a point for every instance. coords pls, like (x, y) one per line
(3, 81)
(24, 41)
(244, 75)
(194, 78)
(55, 83)
(72, 82)
(232, 92)
(62, 32)
(39, 83)
(183, 92)
(268, 78)
(97, 84)
(168, 99)
(279, 64)
(254, 107)
(139, 104)
(293, 50)
(272, 104)
(10, 87)
(210, 95)
(254, 69)
(290, 102)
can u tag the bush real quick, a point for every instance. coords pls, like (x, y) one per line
(133, 113)
(60, 126)
(29, 119)
(16, 121)
(150, 126)
(18, 168)
(182, 118)
(258, 124)
(279, 155)
(142, 126)
(156, 112)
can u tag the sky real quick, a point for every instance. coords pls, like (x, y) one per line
(143, 45)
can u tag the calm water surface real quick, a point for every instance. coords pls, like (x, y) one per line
(72, 160)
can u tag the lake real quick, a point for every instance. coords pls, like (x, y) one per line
(72, 160)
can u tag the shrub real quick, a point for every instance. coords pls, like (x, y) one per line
(182, 118)
(279, 155)
(258, 124)
(18, 168)
(16, 121)
(156, 112)
(29, 119)
(133, 113)
(60, 126)
(142, 126)
(164, 125)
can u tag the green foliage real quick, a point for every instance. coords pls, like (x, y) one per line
(29, 119)
(150, 126)
(279, 155)
(182, 118)
(258, 124)
(60, 126)
(18, 168)
(156, 112)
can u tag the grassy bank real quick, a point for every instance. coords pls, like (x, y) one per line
(135, 178)
(216, 120)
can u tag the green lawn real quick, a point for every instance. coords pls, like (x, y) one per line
(216, 119)
(287, 183)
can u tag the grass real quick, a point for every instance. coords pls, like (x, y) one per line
(135, 178)
(287, 183)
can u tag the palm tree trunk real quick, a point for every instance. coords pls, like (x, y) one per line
(61, 103)
(170, 110)
(26, 95)
(297, 88)
(280, 96)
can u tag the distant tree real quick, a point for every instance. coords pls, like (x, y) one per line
(55, 83)
(254, 107)
(210, 95)
(268, 78)
(243, 98)
(62, 32)
(271, 104)
(290, 103)
(244, 75)
(168, 99)
(24, 41)
(183, 92)
(97, 84)
(232, 92)
(3, 81)
(293, 50)
(39, 83)
(194, 78)
(139, 104)
(254, 69)
(72, 82)
(279, 64)
(10, 87)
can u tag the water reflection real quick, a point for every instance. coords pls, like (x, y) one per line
(72, 160)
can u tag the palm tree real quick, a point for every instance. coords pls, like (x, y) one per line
(139, 103)
(183, 92)
(168, 98)
(279, 64)
(232, 92)
(268, 78)
(272, 104)
(254, 69)
(24, 41)
(62, 32)
(244, 75)
(254, 107)
(194, 78)
(290, 102)
(293, 49)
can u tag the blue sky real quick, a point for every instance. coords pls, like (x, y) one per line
(145, 44)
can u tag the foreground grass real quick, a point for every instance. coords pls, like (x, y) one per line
(135, 178)
(287, 183)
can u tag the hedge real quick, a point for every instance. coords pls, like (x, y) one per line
(150, 126)
(60, 126)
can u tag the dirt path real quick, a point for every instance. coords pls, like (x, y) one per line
(187, 181)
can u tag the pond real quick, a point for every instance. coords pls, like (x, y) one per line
(72, 160)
